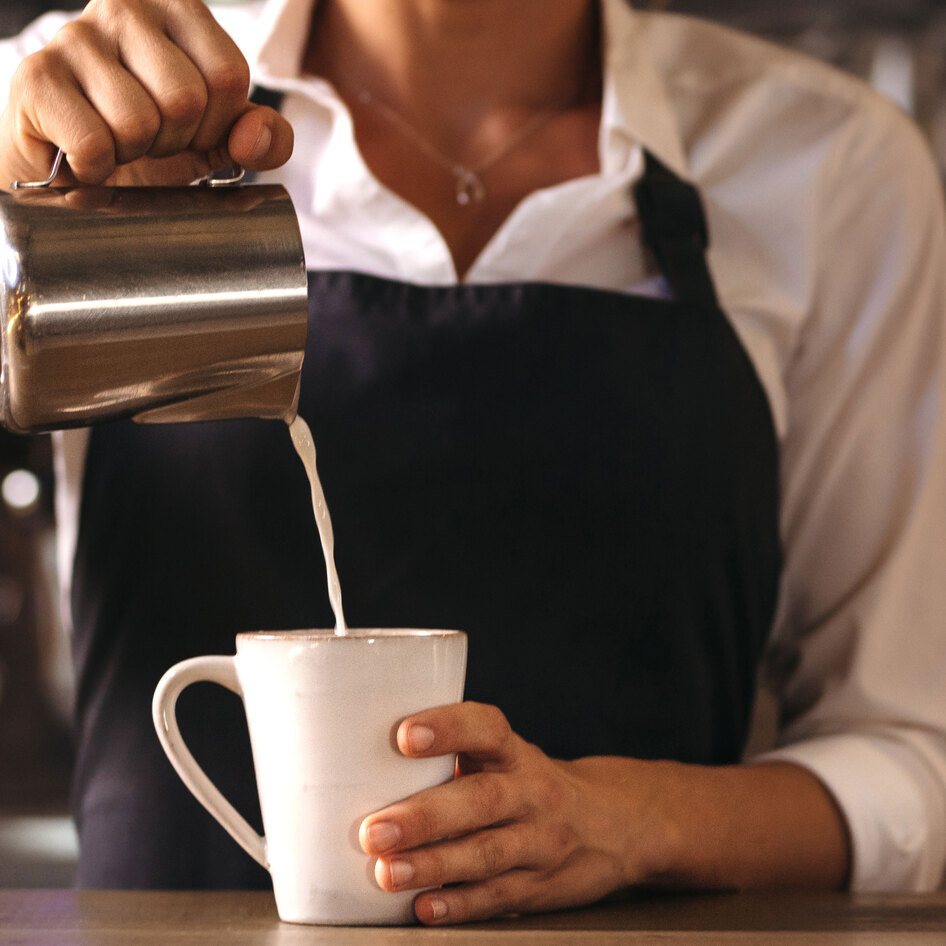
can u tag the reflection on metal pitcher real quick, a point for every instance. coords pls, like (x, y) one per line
(162, 304)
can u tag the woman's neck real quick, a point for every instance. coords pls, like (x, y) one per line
(451, 68)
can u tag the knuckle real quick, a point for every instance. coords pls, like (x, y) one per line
(180, 6)
(505, 895)
(76, 34)
(547, 793)
(184, 104)
(35, 73)
(91, 147)
(102, 23)
(111, 14)
(92, 154)
(490, 855)
(496, 725)
(99, 8)
(563, 835)
(427, 824)
(31, 74)
(229, 78)
(433, 863)
(556, 841)
(489, 798)
(134, 131)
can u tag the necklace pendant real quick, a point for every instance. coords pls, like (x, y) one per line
(470, 189)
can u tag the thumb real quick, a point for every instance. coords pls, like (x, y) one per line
(260, 139)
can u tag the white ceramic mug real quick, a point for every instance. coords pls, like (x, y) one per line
(323, 711)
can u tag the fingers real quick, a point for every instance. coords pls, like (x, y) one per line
(167, 84)
(505, 894)
(515, 891)
(479, 732)
(475, 857)
(48, 108)
(482, 798)
(136, 79)
(511, 892)
(451, 810)
(77, 94)
(516, 831)
(221, 68)
(261, 139)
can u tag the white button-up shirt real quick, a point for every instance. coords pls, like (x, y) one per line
(828, 248)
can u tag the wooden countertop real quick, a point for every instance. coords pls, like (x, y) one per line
(128, 918)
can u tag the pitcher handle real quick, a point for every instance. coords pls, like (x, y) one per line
(220, 670)
(57, 162)
(237, 173)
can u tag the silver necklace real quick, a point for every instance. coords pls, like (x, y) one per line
(468, 180)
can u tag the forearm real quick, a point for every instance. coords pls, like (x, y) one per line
(736, 827)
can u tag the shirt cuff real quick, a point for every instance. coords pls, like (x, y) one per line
(894, 803)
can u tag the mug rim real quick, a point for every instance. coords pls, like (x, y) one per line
(352, 634)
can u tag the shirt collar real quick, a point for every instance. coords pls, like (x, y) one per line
(282, 33)
(636, 106)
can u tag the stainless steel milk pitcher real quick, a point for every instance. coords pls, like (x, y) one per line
(159, 303)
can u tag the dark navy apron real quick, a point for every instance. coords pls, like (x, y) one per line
(584, 481)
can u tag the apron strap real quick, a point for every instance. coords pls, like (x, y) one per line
(674, 227)
(270, 97)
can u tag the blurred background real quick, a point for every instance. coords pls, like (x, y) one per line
(37, 838)
(897, 45)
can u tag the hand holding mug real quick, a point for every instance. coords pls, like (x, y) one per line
(517, 831)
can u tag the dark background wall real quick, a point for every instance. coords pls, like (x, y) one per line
(15, 14)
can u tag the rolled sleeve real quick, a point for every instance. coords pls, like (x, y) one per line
(891, 794)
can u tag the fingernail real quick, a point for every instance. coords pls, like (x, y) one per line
(438, 908)
(383, 835)
(402, 872)
(420, 738)
(263, 143)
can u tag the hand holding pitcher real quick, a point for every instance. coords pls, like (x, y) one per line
(137, 92)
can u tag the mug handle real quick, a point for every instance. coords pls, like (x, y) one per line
(220, 670)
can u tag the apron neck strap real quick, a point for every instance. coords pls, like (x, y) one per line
(674, 227)
(269, 97)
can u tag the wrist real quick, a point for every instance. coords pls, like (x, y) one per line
(745, 826)
(661, 852)
(631, 808)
